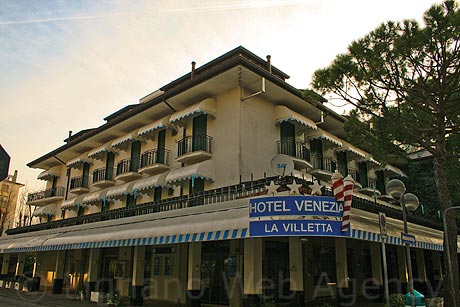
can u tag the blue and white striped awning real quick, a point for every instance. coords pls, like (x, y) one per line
(284, 114)
(203, 170)
(225, 221)
(207, 106)
(149, 130)
(376, 237)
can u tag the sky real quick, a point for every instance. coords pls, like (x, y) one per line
(66, 64)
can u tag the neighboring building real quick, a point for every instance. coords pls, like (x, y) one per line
(9, 193)
(155, 202)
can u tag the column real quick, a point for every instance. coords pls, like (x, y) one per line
(253, 248)
(296, 271)
(376, 267)
(235, 273)
(19, 272)
(137, 298)
(194, 274)
(4, 271)
(341, 271)
(58, 280)
(420, 282)
(36, 273)
(93, 270)
(402, 267)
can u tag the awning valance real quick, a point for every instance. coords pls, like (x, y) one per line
(223, 221)
(393, 169)
(352, 149)
(207, 106)
(47, 175)
(120, 190)
(45, 210)
(284, 114)
(203, 170)
(93, 197)
(123, 142)
(71, 203)
(148, 131)
(77, 163)
(99, 153)
(321, 134)
(150, 182)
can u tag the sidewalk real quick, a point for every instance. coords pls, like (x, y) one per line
(44, 299)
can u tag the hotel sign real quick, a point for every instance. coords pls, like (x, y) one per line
(304, 215)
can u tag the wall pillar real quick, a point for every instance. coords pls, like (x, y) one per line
(341, 271)
(402, 267)
(58, 279)
(138, 276)
(93, 270)
(20, 265)
(296, 271)
(253, 248)
(194, 274)
(376, 267)
(36, 274)
(236, 282)
(421, 283)
(5, 265)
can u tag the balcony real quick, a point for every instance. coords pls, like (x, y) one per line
(370, 188)
(246, 189)
(46, 197)
(355, 175)
(154, 161)
(298, 151)
(127, 170)
(79, 185)
(103, 177)
(194, 148)
(322, 168)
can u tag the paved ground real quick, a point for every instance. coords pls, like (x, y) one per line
(12, 298)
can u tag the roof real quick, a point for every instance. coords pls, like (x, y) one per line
(238, 56)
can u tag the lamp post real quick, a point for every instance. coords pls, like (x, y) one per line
(396, 189)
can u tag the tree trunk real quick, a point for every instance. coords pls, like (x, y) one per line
(445, 202)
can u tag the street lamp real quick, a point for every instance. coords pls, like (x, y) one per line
(396, 189)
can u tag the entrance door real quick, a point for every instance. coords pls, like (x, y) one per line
(287, 135)
(213, 276)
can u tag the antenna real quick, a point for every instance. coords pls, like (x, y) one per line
(282, 165)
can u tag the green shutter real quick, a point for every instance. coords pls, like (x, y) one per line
(199, 131)
(342, 163)
(135, 155)
(161, 147)
(109, 166)
(362, 169)
(85, 177)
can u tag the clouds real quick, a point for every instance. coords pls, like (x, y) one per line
(64, 65)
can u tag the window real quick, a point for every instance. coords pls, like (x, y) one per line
(109, 165)
(287, 136)
(316, 149)
(342, 163)
(85, 177)
(135, 156)
(161, 147)
(199, 133)
(81, 211)
(157, 265)
(130, 200)
(168, 268)
(105, 206)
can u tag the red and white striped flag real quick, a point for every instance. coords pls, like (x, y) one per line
(343, 191)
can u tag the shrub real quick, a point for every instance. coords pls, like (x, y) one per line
(397, 300)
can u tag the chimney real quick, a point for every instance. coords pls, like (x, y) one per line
(15, 176)
(269, 63)
(193, 70)
(70, 135)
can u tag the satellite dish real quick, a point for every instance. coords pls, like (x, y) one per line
(282, 165)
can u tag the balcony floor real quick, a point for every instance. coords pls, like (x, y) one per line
(194, 157)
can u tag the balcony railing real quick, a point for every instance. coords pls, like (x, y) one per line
(325, 164)
(354, 174)
(101, 174)
(79, 182)
(127, 165)
(371, 183)
(294, 149)
(228, 193)
(57, 191)
(194, 143)
(155, 156)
